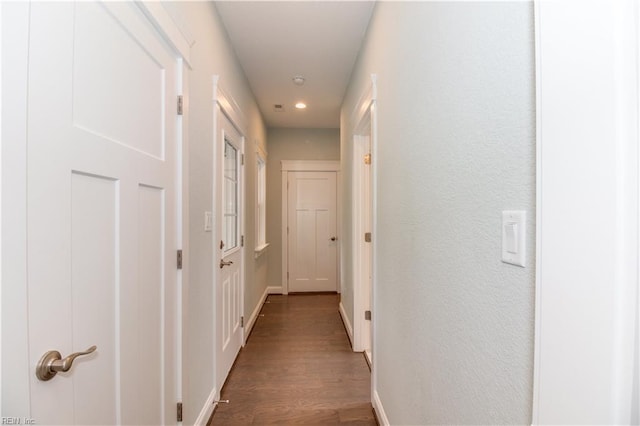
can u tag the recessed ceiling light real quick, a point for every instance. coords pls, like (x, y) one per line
(301, 105)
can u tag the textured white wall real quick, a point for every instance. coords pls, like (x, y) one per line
(290, 144)
(212, 54)
(456, 123)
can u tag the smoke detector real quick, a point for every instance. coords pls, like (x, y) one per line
(298, 80)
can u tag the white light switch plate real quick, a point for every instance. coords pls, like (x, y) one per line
(514, 227)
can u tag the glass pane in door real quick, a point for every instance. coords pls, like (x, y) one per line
(230, 224)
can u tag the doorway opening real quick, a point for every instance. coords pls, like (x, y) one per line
(363, 239)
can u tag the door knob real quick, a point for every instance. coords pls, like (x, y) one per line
(333, 238)
(51, 363)
(223, 263)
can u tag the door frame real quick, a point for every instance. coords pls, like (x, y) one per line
(181, 41)
(365, 123)
(308, 166)
(586, 301)
(223, 103)
(13, 156)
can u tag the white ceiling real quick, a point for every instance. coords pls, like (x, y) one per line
(277, 40)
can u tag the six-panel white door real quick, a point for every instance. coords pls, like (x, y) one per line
(229, 288)
(312, 245)
(102, 181)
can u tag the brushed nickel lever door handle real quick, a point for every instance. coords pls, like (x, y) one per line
(223, 263)
(51, 363)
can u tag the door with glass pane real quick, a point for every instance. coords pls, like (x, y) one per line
(229, 289)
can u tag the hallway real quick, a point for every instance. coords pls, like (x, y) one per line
(297, 367)
(486, 239)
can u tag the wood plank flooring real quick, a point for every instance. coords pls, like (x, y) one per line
(297, 368)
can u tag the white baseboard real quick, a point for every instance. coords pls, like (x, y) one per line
(274, 289)
(377, 405)
(368, 357)
(255, 313)
(206, 411)
(346, 322)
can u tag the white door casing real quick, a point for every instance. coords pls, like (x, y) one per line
(587, 220)
(228, 244)
(15, 348)
(310, 227)
(102, 213)
(364, 139)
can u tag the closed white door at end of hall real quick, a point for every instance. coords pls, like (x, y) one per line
(313, 244)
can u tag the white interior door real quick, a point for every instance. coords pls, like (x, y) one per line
(102, 181)
(312, 245)
(229, 284)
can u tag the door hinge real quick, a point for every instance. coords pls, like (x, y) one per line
(367, 237)
(242, 159)
(367, 315)
(242, 241)
(179, 259)
(287, 275)
(242, 321)
(179, 412)
(180, 105)
(367, 159)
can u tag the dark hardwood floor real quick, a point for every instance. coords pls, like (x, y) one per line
(297, 368)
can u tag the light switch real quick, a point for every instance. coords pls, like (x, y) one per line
(513, 237)
(208, 221)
